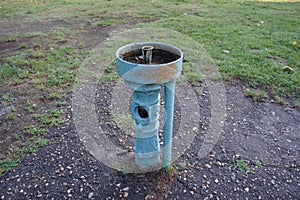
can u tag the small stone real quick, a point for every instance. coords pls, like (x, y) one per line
(192, 192)
(91, 194)
(126, 189)
(125, 195)
(216, 181)
(273, 181)
(246, 189)
(233, 176)
(118, 185)
(208, 166)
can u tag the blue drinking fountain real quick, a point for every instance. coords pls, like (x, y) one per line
(146, 68)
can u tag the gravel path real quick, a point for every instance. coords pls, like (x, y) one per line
(265, 136)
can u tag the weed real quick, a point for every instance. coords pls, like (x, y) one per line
(255, 95)
(31, 107)
(33, 35)
(50, 120)
(56, 113)
(257, 164)
(18, 81)
(12, 39)
(36, 44)
(279, 100)
(35, 146)
(297, 103)
(8, 97)
(7, 165)
(241, 165)
(60, 103)
(61, 39)
(110, 74)
(104, 23)
(23, 46)
(54, 95)
(13, 109)
(10, 117)
(17, 136)
(108, 78)
(37, 54)
(171, 171)
(33, 130)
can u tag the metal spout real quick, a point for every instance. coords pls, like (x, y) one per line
(147, 54)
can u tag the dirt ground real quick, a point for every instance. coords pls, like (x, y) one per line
(256, 157)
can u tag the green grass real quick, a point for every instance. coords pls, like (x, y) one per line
(242, 165)
(251, 41)
(248, 40)
(256, 95)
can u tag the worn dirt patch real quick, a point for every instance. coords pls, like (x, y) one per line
(252, 132)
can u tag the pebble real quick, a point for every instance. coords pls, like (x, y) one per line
(118, 185)
(208, 166)
(246, 189)
(126, 189)
(273, 181)
(91, 194)
(125, 194)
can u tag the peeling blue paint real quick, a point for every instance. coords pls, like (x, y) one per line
(146, 82)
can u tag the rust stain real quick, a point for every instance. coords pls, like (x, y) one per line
(158, 75)
(165, 74)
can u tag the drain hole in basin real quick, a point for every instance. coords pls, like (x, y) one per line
(142, 112)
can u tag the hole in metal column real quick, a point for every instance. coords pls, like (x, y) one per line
(142, 112)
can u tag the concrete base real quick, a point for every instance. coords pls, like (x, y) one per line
(146, 161)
